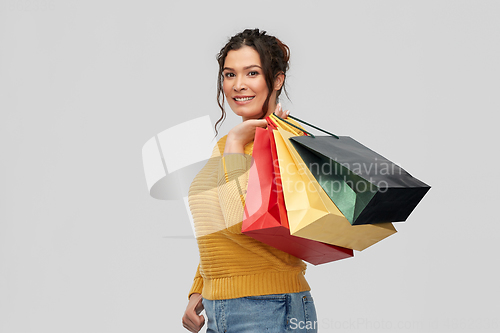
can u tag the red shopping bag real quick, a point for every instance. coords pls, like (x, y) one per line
(265, 217)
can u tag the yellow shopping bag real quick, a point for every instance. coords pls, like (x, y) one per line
(311, 213)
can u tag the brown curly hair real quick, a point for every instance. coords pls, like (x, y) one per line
(274, 56)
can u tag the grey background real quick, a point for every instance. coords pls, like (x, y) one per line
(83, 85)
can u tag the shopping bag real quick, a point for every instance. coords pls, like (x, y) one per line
(364, 185)
(311, 213)
(265, 216)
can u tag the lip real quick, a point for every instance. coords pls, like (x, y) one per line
(242, 102)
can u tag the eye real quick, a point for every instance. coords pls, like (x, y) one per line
(253, 72)
(228, 74)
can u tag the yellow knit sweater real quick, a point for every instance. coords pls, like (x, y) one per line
(233, 264)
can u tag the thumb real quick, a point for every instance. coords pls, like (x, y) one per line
(261, 122)
(199, 307)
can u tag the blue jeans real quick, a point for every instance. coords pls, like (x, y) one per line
(278, 313)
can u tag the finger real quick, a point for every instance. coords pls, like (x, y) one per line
(194, 324)
(201, 323)
(277, 109)
(192, 320)
(199, 307)
(259, 122)
(282, 114)
(189, 327)
(280, 111)
(186, 322)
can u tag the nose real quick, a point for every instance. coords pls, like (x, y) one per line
(239, 84)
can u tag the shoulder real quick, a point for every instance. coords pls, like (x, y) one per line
(219, 147)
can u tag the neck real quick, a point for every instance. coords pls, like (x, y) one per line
(270, 110)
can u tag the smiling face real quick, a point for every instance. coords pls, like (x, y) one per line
(245, 85)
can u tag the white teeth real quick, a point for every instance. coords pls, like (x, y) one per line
(244, 99)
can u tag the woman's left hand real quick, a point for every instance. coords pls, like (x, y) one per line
(244, 132)
(280, 113)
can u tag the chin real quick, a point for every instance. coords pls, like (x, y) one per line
(238, 110)
(249, 115)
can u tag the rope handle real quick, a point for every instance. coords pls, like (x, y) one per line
(297, 119)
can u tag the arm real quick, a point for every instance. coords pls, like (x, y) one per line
(234, 169)
(231, 186)
(197, 286)
(192, 320)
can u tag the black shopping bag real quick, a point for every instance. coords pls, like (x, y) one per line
(365, 186)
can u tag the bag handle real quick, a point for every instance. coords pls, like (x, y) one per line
(271, 123)
(274, 121)
(287, 126)
(297, 119)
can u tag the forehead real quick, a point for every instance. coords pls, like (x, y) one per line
(244, 56)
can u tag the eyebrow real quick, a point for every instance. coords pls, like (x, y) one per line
(247, 67)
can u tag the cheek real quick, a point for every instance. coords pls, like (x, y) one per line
(261, 87)
(226, 88)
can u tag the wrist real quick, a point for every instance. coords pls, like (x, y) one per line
(193, 294)
(233, 146)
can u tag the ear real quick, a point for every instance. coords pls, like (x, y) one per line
(278, 81)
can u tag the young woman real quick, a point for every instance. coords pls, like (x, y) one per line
(243, 285)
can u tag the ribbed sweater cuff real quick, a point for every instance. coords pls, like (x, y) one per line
(197, 287)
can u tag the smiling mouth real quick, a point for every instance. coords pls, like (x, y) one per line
(244, 99)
